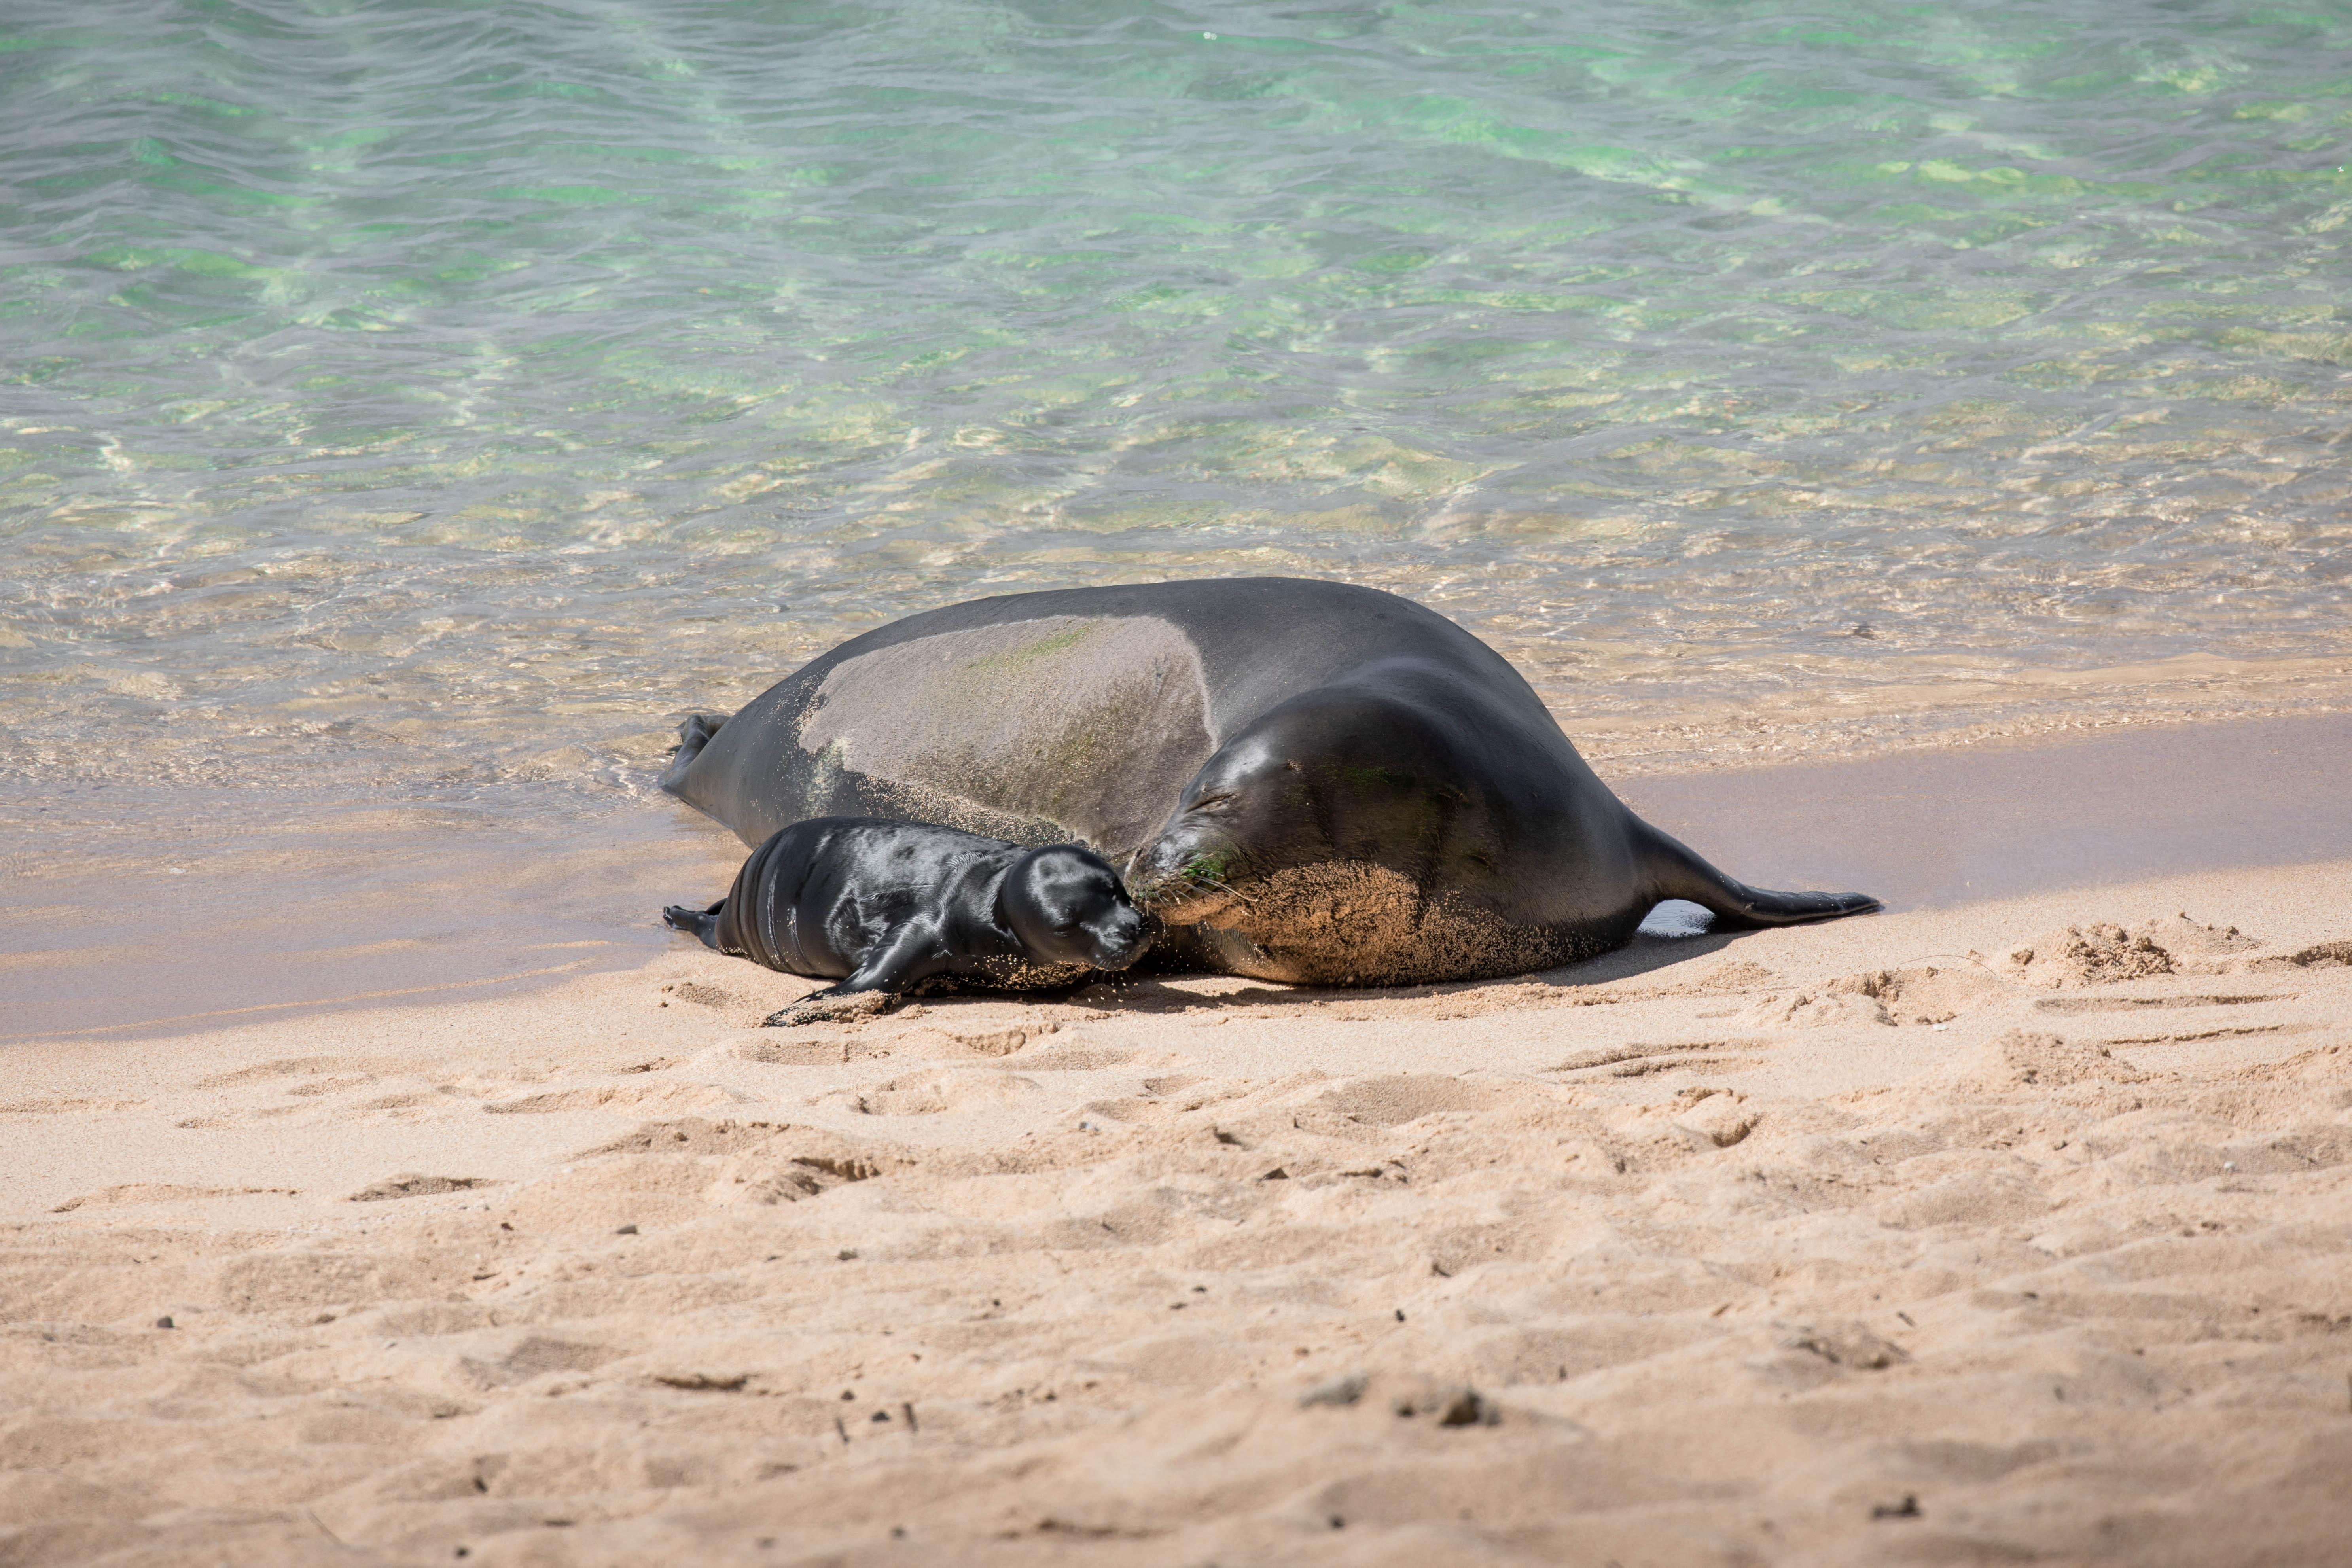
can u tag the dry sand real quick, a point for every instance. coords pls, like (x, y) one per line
(1859, 1244)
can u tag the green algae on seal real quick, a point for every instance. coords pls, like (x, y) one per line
(1306, 781)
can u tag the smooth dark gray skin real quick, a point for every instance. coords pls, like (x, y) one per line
(1345, 723)
(884, 906)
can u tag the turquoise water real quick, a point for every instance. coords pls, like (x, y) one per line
(442, 398)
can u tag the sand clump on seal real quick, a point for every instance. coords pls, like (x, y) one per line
(1346, 921)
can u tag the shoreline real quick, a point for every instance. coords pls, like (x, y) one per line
(347, 904)
(1772, 727)
(1940, 827)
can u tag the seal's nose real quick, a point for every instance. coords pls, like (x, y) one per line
(1124, 938)
(1156, 866)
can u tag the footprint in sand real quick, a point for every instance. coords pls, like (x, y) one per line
(1823, 1009)
(160, 1192)
(1408, 1097)
(287, 1067)
(942, 1090)
(624, 1097)
(2020, 1059)
(412, 1184)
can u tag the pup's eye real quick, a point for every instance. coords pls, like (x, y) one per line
(1211, 802)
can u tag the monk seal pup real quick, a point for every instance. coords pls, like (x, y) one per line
(881, 907)
(1308, 781)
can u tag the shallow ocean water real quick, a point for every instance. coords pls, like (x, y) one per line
(435, 402)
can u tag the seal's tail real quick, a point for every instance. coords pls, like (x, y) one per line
(1677, 873)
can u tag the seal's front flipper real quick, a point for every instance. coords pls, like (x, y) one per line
(692, 736)
(908, 951)
(1677, 873)
(703, 923)
(832, 1005)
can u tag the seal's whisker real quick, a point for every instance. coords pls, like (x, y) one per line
(1187, 882)
(1228, 890)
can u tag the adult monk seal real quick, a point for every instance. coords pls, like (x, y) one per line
(881, 907)
(1308, 781)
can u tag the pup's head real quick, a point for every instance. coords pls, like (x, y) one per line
(1068, 906)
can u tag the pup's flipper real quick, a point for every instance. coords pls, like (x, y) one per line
(832, 1005)
(702, 923)
(908, 953)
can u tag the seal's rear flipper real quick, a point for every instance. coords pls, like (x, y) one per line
(692, 736)
(703, 923)
(1677, 873)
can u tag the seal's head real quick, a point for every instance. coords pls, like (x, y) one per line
(1343, 776)
(1068, 906)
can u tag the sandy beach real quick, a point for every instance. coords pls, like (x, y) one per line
(2005, 1230)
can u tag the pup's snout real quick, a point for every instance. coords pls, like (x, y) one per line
(1124, 938)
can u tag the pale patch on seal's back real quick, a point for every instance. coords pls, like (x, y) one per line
(1056, 718)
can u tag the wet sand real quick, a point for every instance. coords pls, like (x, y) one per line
(2001, 1227)
(142, 919)
(142, 915)
(1936, 828)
